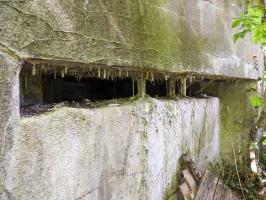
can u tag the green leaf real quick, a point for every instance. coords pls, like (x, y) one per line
(240, 35)
(256, 101)
(251, 11)
(259, 34)
(236, 23)
(243, 33)
(247, 23)
(236, 37)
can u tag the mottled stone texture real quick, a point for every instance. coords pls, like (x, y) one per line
(9, 110)
(130, 151)
(123, 152)
(172, 35)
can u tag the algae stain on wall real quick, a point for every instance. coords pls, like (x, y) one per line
(174, 35)
(237, 115)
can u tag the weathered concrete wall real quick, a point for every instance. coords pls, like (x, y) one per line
(124, 152)
(173, 35)
(236, 114)
(9, 109)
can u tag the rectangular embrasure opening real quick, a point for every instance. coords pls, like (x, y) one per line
(71, 89)
(42, 88)
(157, 88)
(46, 84)
(201, 88)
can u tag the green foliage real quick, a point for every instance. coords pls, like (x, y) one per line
(255, 98)
(254, 146)
(251, 21)
(256, 101)
(249, 183)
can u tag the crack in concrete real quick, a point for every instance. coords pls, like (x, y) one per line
(113, 23)
(87, 193)
(4, 48)
(60, 31)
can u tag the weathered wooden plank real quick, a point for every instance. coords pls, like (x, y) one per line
(212, 188)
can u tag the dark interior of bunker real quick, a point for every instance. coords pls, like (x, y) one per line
(44, 88)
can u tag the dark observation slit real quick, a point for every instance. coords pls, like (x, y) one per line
(39, 92)
(71, 89)
(43, 88)
(156, 88)
(202, 88)
(38, 87)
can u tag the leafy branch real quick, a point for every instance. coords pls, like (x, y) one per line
(251, 21)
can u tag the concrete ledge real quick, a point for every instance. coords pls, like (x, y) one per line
(122, 152)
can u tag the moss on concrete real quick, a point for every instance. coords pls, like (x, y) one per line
(170, 35)
(236, 115)
(171, 193)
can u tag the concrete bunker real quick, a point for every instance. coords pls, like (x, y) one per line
(129, 151)
(193, 126)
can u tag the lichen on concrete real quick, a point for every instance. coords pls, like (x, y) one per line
(176, 35)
